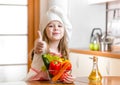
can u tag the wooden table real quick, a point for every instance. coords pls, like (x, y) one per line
(106, 80)
(111, 80)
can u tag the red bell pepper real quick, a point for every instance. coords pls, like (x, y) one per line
(54, 67)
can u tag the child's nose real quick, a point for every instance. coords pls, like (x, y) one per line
(56, 27)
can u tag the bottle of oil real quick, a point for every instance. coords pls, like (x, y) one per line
(95, 83)
(95, 75)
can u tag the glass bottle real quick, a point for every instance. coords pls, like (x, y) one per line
(95, 83)
(95, 75)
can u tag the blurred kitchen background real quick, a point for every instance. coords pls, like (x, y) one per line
(18, 28)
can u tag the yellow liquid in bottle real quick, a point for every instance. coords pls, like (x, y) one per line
(95, 75)
(95, 83)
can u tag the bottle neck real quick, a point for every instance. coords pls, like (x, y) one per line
(95, 65)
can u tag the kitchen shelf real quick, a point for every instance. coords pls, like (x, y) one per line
(112, 54)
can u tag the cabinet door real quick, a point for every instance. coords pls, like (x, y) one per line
(82, 65)
(99, 1)
(114, 69)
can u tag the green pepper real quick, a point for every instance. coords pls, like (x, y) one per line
(46, 61)
(54, 67)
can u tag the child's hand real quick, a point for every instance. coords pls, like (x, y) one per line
(67, 78)
(40, 45)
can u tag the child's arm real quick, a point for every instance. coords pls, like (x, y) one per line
(36, 72)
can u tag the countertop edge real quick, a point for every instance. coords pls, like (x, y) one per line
(112, 54)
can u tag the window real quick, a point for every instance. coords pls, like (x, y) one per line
(19, 20)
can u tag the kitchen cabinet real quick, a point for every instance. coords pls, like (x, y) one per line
(99, 1)
(82, 64)
(108, 62)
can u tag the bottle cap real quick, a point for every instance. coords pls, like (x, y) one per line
(95, 58)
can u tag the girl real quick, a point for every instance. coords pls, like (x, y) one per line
(54, 40)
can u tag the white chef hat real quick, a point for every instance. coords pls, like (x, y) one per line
(56, 13)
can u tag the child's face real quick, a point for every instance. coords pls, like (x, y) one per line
(55, 30)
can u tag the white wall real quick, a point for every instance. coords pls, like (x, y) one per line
(84, 18)
(43, 6)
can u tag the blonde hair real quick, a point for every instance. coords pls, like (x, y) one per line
(63, 45)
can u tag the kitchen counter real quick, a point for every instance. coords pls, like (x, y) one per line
(112, 54)
(107, 80)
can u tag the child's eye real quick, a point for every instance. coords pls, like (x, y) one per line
(59, 25)
(50, 26)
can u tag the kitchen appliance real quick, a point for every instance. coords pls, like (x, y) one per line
(106, 43)
(95, 39)
(103, 41)
(96, 35)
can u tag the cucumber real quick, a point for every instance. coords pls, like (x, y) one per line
(46, 61)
